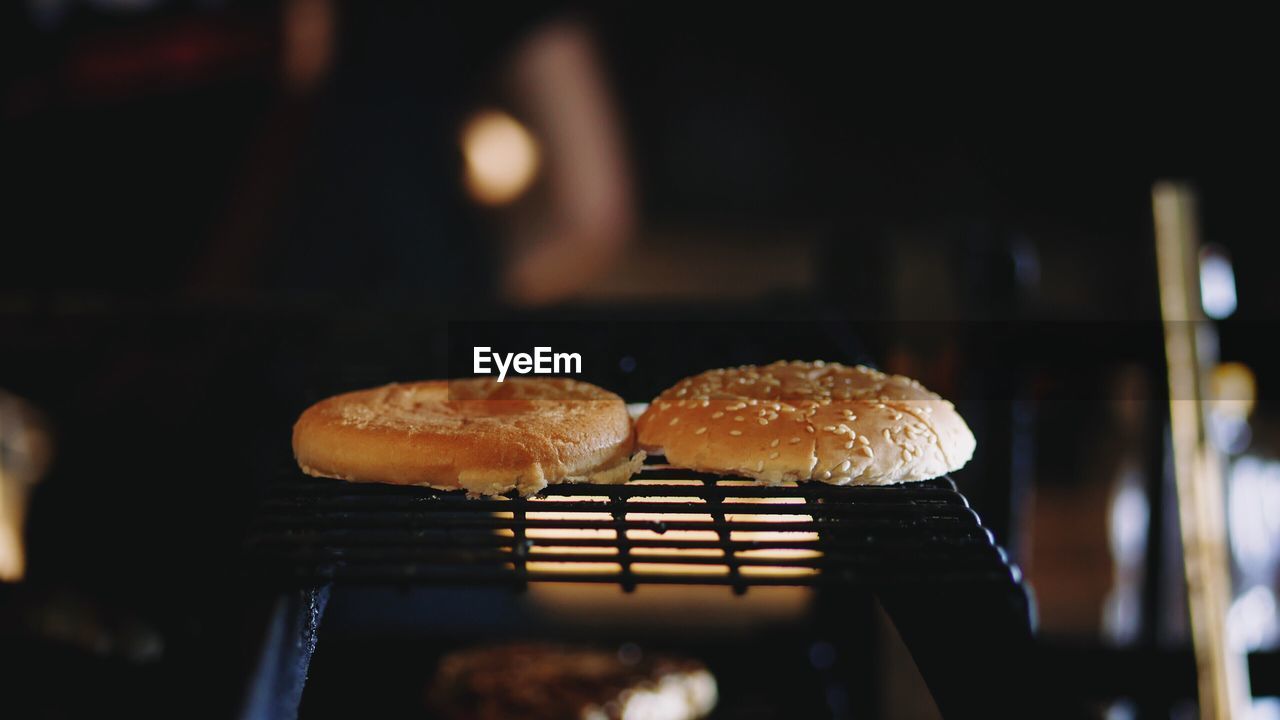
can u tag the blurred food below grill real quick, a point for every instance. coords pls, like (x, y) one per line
(537, 681)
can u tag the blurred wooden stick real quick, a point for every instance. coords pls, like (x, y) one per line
(1190, 350)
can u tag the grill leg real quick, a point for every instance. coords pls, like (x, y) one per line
(275, 690)
(972, 647)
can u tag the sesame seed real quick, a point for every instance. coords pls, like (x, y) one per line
(848, 445)
(774, 443)
(824, 475)
(844, 466)
(809, 428)
(682, 392)
(735, 433)
(773, 454)
(763, 421)
(795, 440)
(717, 415)
(829, 428)
(759, 466)
(738, 418)
(887, 436)
(674, 420)
(699, 431)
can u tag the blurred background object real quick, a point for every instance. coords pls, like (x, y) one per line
(219, 210)
(1191, 354)
(315, 147)
(25, 452)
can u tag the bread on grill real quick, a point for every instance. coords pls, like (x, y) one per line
(793, 421)
(552, 682)
(477, 434)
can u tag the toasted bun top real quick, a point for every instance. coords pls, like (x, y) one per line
(478, 434)
(807, 421)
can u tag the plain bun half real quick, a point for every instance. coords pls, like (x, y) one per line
(479, 435)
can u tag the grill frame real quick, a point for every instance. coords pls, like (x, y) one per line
(311, 531)
(924, 554)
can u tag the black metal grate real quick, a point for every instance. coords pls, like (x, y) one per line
(666, 526)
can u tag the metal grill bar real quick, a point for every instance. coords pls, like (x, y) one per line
(667, 526)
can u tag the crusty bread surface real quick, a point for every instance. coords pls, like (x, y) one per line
(793, 421)
(476, 434)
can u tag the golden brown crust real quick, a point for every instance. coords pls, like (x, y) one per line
(807, 421)
(478, 434)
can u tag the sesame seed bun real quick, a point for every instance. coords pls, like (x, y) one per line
(478, 435)
(807, 421)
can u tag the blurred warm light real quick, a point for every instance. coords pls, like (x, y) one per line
(25, 452)
(13, 559)
(544, 534)
(707, 609)
(771, 536)
(641, 564)
(501, 157)
(307, 52)
(1217, 283)
(651, 568)
(1233, 389)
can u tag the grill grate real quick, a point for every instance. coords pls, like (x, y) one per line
(667, 526)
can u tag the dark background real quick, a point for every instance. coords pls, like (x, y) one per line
(975, 191)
